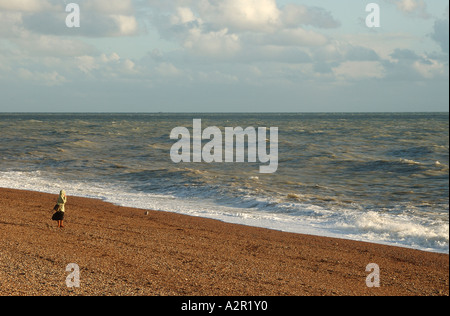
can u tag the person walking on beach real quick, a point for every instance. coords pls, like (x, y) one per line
(60, 210)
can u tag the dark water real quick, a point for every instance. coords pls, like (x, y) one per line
(376, 177)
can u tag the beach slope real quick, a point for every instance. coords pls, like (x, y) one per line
(123, 251)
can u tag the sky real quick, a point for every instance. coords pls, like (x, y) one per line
(224, 56)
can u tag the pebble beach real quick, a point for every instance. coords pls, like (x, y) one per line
(133, 252)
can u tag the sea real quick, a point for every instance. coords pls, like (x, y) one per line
(374, 177)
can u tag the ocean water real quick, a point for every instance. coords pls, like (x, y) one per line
(381, 178)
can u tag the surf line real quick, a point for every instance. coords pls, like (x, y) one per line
(234, 151)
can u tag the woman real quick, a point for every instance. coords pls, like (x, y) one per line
(59, 208)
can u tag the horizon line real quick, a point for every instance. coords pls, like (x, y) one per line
(203, 112)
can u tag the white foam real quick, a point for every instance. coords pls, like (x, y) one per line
(404, 230)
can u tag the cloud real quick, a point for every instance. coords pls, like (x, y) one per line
(414, 8)
(100, 18)
(214, 44)
(28, 5)
(407, 65)
(296, 37)
(126, 25)
(41, 78)
(294, 15)
(10, 24)
(341, 51)
(92, 25)
(183, 16)
(109, 7)
(50, 45)
(356, 70)
(168, 70)
(251, 47)
(99, 6)
(263, 15)
(431, 69)
(242, 15)
(441, 34)
(106, 66)
(230, 28)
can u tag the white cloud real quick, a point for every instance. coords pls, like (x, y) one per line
(183, 16)
(242, 15)
(263, 15)
(112, 17)
(126, 25)
(87, 63)
(417, 8)
(409, 6)
(261, 43)
(227, 28)
(431, 69)
(28, 5)
(108, 66)
(168, 70)
(129, 66)
(214, 44)
(406, 65)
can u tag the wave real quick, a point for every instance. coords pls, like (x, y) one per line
(409, 161)
(416, 232)
(83, 143)
(398, 227)
(412, 152)
(403, 166)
